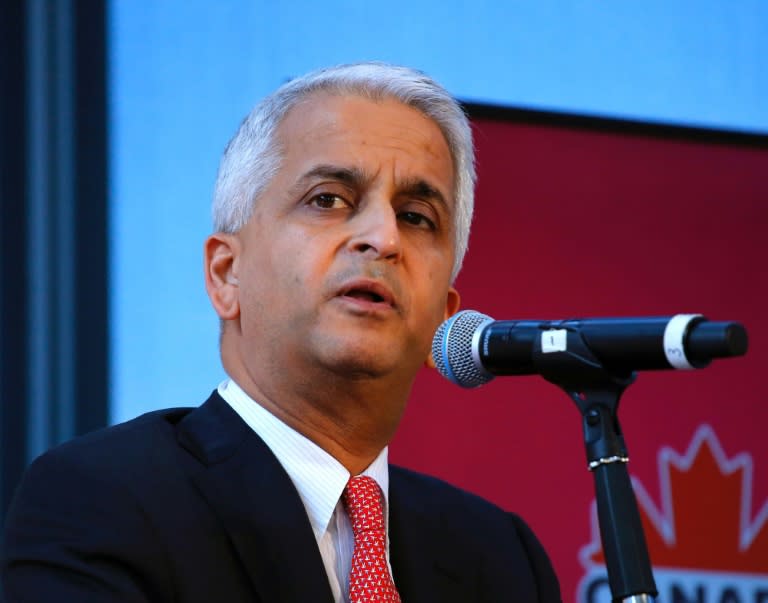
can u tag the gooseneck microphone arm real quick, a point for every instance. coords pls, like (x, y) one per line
(593, 361)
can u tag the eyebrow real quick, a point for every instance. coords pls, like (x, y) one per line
(355, 177)
(351, 176)
(424, 190)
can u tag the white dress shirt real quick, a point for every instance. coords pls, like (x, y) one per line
(320, 480)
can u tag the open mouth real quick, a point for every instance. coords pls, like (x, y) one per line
(369, 296)
(368, 292)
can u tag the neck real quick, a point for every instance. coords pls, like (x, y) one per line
(351, 418)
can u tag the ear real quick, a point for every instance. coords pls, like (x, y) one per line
(221, 281)
(452, 303)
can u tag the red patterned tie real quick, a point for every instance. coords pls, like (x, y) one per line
(369, 579)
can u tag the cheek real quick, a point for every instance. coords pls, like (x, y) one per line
(436, 273)
(287, 278)
(430, 305)
(258, 283)
(434, 287)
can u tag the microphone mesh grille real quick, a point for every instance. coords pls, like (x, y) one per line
(452, 349)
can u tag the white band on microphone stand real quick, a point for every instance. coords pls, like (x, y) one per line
(674, 340)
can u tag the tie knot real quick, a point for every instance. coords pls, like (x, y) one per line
(362, 500)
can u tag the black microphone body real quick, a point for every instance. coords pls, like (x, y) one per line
(470, 348)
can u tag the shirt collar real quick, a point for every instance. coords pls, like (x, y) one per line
(318, 477)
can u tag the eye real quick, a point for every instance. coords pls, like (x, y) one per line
(329, 201)
(415, 218)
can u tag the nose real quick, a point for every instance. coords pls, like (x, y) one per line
(376, 231)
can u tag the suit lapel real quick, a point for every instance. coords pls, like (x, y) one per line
(425, 564)
(257, 504)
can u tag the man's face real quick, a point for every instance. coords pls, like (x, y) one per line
(346, 261)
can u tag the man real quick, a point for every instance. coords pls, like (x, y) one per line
(342, 211)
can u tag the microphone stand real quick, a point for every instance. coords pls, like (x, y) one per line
(596, 392)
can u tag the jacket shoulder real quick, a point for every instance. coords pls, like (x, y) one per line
(500, 542)
(118, 447)
(451, 499)
(85, 500)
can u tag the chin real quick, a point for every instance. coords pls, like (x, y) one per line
(367, 357)
(356, 363)
(362, 368)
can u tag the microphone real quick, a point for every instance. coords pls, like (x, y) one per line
(471, 348)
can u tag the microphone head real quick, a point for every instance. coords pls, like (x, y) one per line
(453, 349)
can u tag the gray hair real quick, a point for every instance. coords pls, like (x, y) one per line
(252, 158)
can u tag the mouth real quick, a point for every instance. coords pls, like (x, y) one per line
(368, 293)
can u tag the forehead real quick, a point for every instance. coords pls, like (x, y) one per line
(353, 130)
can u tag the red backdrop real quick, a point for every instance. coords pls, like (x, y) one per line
(578, 222)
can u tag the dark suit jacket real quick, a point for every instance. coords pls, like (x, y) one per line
(191, 506)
